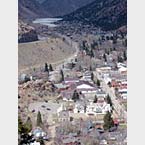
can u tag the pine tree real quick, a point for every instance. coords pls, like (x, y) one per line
(92, 76)
(62, 75)
(124, 55)
(80, 68)
(120, 59)
(91, 68)
(28, 124)
(95, 99)
(98, 83)
(76, 60)
(39, 119)
(46, 68)
(91, 53)
(109, 101)
(24, 137)
(108, 121)
(105, 58)
(50, 67)
(20, 125)
(75, 96)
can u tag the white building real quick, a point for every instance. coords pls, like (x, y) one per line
(35, 143)
(93, 108)
(101, 95)
(87, 77)
(63, 114)
(98, 108)
(87, 90)
(79, 108)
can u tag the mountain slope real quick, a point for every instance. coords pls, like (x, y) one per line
(29, 9)
(26, 33)
(63, 7)
(107, 14)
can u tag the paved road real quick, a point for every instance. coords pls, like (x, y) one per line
(74, 45)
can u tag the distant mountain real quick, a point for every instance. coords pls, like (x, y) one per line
(29, 9)
(63, 7)
(107, 14)
(40, 1)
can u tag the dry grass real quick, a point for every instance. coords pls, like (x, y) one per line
(35, 54)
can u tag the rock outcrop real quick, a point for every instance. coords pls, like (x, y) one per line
(26, 33)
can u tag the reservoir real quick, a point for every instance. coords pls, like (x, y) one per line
(47, 21)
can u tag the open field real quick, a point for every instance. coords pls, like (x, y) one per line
(35, 54)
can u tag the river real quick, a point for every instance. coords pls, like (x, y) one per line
(47, 21)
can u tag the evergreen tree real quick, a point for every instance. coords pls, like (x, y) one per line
(46, 68)
(50, 67)
(107, 38)
(91, 68)
(28, 124)
(24, 137)
(75, 96)
(91, 53)
(92, 76)
(108, 121)
(62, 75)
(124, 55)
(114, 49)
(120, 59)
(109, 101)
(39, 119)
(95, 99)
(20, 125)
(105, 58)
(98, 83)
(80, 68)
(114, 39)
(22, 128)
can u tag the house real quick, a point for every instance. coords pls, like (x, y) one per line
(101, 95)
(71, 80)
(67, 95)
(104, 69)
(87, 76)
(123, 92)
(107, 78)
(61, 87)
(87, 89)
(98, 108)
(119, 65)
(79, 107)
(84, 89)
(63, 114)
(123, 70)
